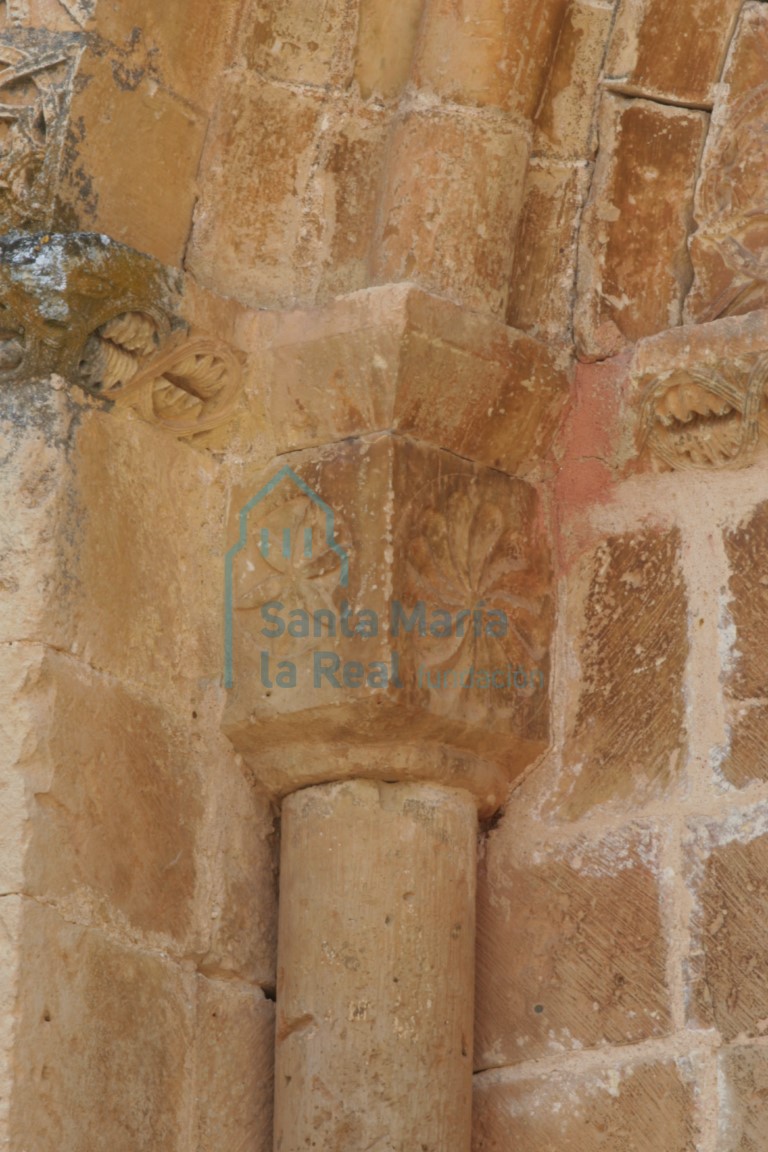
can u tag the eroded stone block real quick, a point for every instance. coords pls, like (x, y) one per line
(729, 865)
(671, 51)
(748, 683)
(307, 45)
(605, 1110)
(146, 203)
(627, 738)
(728, 247)
(566, 112)
(104, 1044)
(397, 358)
(744, 1083)
(234, 1061)
(386, 43)
(643, 186)
(488, 52)
(450, 206)
(571, 951)
(542, 287)
(254, 176)
(114, 831)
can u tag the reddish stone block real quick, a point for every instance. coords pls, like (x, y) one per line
(571, 949)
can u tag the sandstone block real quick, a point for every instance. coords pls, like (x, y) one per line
(398, 358)
(451, 204)
(571, 950)
(621, 1108)
(303, 44)
(254, 177)
(744, 1074)
(235, 1038)
(386, 43)
(627, 739)
(565, 115)
(488, 52)
(643, 186)
(104, 1043)
(149, 518)
(35, 482)
(237, 884)
(113, 835)
(748, 683)
(10, 930)
(412, 530)
(728, 246)
(670, 51)
(730, 930)
(543, 279)
(179, 44)
(344, 213)
(146, 203)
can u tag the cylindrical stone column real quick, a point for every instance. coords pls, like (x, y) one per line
(376, 969)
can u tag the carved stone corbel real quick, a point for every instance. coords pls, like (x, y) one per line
(103, 317)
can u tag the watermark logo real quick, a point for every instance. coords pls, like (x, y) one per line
(284, 542)
(293, 579)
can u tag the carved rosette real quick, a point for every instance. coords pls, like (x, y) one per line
(706, 418)
(101, 315)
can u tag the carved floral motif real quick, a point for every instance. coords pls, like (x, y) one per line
(101, 315)
(706, 418)
(36, 77)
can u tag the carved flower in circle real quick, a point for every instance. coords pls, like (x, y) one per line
(287, 559)
(705, 419)
(469, 561)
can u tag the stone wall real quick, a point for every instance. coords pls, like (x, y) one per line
(418, 227)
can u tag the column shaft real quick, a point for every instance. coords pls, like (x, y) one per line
(376, 969)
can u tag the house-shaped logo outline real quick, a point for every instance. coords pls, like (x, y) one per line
(330, 538)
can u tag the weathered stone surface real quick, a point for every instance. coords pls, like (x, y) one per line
(744, 1074)
(622, 1108)
(374, 1027)
(566, 112)
(51, 15)
(488, 52)
(237, 870)
(10, 931)
(448, 168)
(261, 149)
(36, 86)
(35, 482)
(728, 247)
(398, 358)
(412, 530)
(571, 951)
(104, 1045)
(729, 863)
(542, 287)
(670, 51)
(643, 186)
(748, 683)
(143, 192)
(140, 494)
(233, 1067)
(304, 45)
(113, 835)
(698, 394)
(627, 738)
(386, 43)
(179, 44)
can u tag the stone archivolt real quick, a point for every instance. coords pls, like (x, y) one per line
(102, 316)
